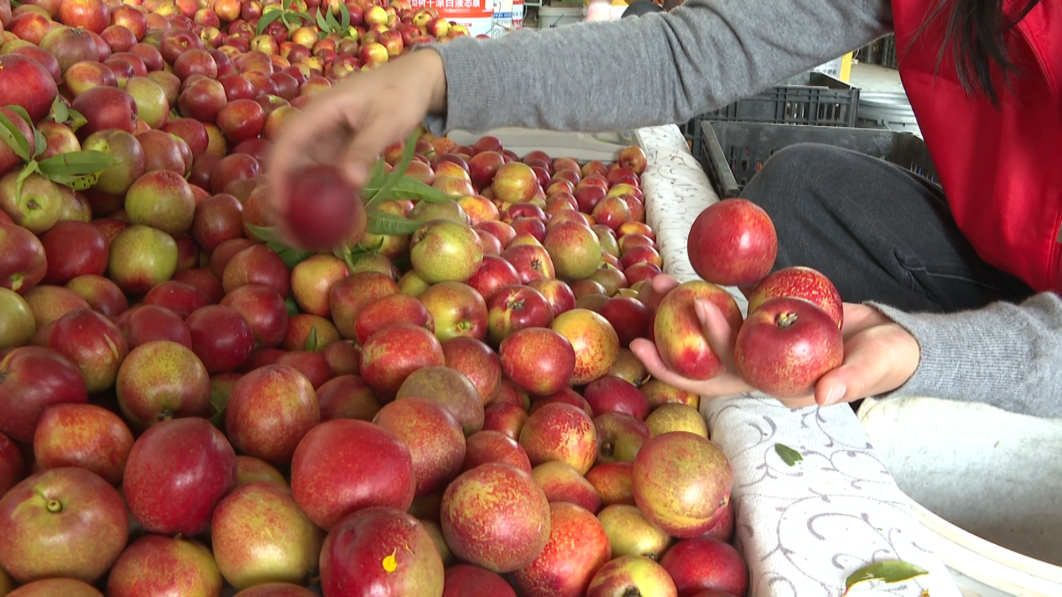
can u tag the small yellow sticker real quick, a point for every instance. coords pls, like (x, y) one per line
(390, 563)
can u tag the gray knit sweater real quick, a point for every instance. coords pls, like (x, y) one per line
(659, 69)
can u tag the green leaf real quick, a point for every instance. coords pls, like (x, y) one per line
(290, 256)
(60, 113)
(292, 307)
(77, 120)
(889, 572)
(373, 249)
(788, 455)
(21, 112)
(14, 138)
(78, 162)
(29, 169)
(382, 222)
(397, 173)
(268, 19)
(76, 182)
(346, 254)
(267, 234)
(344, 17)
(377, 176)
(322, 24)
(39, 142)
(219, 400)
(333, 24)
(311, 340)
(412, 188)
(78, 170)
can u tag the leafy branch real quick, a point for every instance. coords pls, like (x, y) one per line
(291, 257)
(382, 186)
(288, 16)
(328, 23)
(64, 114)
(77, 170)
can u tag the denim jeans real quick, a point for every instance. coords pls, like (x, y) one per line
(878, 231)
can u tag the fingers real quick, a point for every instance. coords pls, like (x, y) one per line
(717, 330)
(657, 289)
(650, 357)
(724, 384)
(860, 317)
(877, 360)
(367, 144)
(324, 117)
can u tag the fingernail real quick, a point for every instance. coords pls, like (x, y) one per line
(698, 308)
(835, 395)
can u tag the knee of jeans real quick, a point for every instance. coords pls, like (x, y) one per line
(786, 179)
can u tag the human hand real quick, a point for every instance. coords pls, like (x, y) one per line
(350, 125)
(880, 356)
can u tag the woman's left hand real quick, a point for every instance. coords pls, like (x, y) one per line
(880, 356)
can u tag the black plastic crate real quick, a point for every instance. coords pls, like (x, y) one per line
(888, 52)
(735, 151)
(814, 99)
(881, 52)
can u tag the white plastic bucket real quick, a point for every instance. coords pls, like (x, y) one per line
(886, 110)
(986, 483)
(551, 16)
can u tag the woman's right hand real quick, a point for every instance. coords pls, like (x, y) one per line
(350, 125)
(880, 356)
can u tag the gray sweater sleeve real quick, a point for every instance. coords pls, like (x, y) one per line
(1006, 355)
(646, 71)
(666, 68)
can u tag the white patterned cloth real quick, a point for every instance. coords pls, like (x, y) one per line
(801, 529)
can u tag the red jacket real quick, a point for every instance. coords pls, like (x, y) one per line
(1000, 169)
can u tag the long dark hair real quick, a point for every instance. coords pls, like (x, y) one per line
(976, 32)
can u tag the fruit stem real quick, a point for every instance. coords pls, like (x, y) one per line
(786, 319)
(164, 415)
(632, 592)
(606, 449)
(54, 506)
